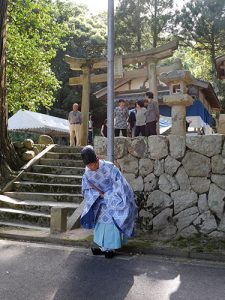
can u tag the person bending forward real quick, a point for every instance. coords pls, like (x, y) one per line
(110, 206)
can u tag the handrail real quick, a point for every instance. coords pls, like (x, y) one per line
(8, 186)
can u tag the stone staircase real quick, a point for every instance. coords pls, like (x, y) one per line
(54, 180)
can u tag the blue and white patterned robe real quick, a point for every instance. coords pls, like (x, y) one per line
(118, 205)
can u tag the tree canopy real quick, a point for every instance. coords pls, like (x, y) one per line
(141, 24)
(33, 37)
(201, 25)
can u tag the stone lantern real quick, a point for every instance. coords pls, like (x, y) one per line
(178, 99)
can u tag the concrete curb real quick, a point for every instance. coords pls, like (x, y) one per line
(167, 251)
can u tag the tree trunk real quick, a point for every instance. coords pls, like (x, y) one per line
(139, 34)
(155, 21)
(8, 157)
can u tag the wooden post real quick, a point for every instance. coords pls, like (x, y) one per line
(152, 77)
(85, 105)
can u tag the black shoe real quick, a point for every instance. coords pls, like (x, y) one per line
(97, 251)
(109, 254)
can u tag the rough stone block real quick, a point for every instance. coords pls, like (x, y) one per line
(167, 183)
(138, 147)
(186, 217)
(218, 164)
(158, 201)
(203, 203)
(177, 146)
(219, 180)
(135, 182)
(157, 146)
(200, 184)
(145, 166)
(171, 165)
(222, 224)
(208, 145)
(129, 164)
(58, 220)
(216, 200)
(120, 147)
(217, 235)
(28, 144)
(162, 219)
(183, 179)
(28, 155)
(150, 183)
(159, 167)
(188, 232)
(196, 165)
(100, 145)
(45, 139)
(206, 222)
(183, 200)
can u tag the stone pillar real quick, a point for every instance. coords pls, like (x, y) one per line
(58, 220)
(152, 77)
(178, 105)
(221, 124)
(178, 115)
(85, 105)
(178, 99)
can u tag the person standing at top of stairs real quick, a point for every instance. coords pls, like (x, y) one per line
(75, 120)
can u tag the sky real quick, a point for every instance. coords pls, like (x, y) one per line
(96, 6)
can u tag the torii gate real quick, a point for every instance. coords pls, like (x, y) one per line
(149, 58)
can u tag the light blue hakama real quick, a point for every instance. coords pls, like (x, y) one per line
(112, 216)
(108, 237)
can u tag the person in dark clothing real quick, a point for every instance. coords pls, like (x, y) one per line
(90, 130)
(104, 129)
(132, 121)
(152, 114)
(187, 125)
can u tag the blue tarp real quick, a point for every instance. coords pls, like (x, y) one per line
(164, 123)
(196, 109)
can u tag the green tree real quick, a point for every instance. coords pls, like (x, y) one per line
(198, 63)
(8, 158)
(141, 24)
(34, 35)
(130, 23)
(85, 38)
(201, 25)
(160, 19)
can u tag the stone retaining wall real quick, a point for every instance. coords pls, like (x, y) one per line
(179, 182)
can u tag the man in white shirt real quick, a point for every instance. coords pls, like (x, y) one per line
(75, 120)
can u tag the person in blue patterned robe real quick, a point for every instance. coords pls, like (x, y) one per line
(110, 207)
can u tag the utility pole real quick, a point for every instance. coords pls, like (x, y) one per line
(110, 82)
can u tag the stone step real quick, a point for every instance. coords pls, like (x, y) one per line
(72, 156)
(57, 197)
(22, 225)
(67, 149)
(61, 162)
(58, 170)
(51, 178)
(40, 206)
(26, 217)
(38, 187)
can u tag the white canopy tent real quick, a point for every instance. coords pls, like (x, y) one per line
(33, 122)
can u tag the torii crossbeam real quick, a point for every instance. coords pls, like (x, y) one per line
(148, 58)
